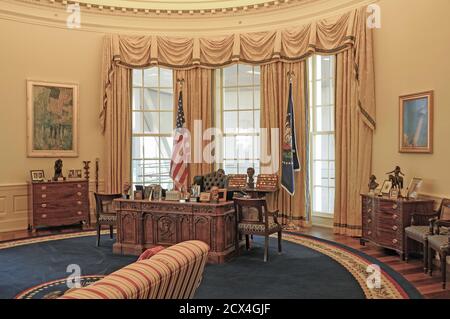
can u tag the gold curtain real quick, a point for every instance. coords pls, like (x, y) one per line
(328, 36)
(293, 209)
(197, 105)
(276, 51)
(118, 131)
(355, 95)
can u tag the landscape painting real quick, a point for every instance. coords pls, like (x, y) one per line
(416, 123)
(52, 119)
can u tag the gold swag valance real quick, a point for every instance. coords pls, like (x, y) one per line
(327, 36)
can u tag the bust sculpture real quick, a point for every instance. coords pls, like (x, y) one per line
(373, 183)
(58, 170)
(250, 174)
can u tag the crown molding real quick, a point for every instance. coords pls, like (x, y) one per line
(170, 8)
(51, 14)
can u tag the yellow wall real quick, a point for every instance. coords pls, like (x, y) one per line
(412, 55)
(47, 54)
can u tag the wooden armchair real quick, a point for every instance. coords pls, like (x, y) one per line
(253, 218)
(422, 225)
(104, 213)
(439, 241)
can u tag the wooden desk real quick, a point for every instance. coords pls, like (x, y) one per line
(142, 224)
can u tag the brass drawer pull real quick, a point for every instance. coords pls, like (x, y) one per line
(369, 210)
(79, 193)
(394, 228)
(369, 221)
(369, 233)
(44, 215)
(395, 206)
(79, 203)
(44, 195)
(80, 213)
(44, 205)
(79, 185)
(395, 216)
(43, 188)
(394, 241)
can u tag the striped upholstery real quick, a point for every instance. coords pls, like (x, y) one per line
(173, 273)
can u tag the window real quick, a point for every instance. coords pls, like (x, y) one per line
(238, 115)
(152, 125)
(321, 76)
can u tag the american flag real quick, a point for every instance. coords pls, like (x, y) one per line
(178, 164)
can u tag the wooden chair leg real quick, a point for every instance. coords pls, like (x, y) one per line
(443, 257)
(430, 261)
(279, 241)
(425, 256)
(266, 248)
(111, 231)
(247, 242)
(98, 234)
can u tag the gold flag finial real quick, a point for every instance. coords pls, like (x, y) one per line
(180, 83)
(290, 75)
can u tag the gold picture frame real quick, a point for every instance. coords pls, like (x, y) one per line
(52, 119)
(416, 123)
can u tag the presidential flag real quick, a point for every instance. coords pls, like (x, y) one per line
(289, 156)
(178, 163)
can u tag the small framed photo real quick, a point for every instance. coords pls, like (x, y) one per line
(386, 188)
(413, 187)
(416, 123)
(78, 173)
(37, 176)
(222, 195)
(205, 197)
(71, 174)
(394, 193)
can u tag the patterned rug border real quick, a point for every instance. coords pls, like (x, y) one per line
(392, 283)
(354, 261)
(36, 289)
(39, 239)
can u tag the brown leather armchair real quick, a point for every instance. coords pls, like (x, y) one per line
(253, 218)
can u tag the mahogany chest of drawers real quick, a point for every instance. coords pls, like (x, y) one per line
(58, 203)
(384, 220)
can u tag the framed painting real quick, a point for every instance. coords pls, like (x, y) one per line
(416, 123)
(52, 119)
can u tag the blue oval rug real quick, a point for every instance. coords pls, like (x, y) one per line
(38, 268)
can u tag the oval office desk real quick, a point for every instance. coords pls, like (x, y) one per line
(142, 224)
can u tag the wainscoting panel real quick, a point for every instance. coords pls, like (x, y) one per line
(14, 205)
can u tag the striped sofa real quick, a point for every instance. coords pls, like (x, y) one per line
(173, 273)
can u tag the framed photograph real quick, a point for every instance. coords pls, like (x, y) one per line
(52, 119)
(37, 176)
(205, 197)
(416, 123)
(222, 195)
(78, 173)
(71, 174)
(413, 187)
(386, 188)
(394, 193)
